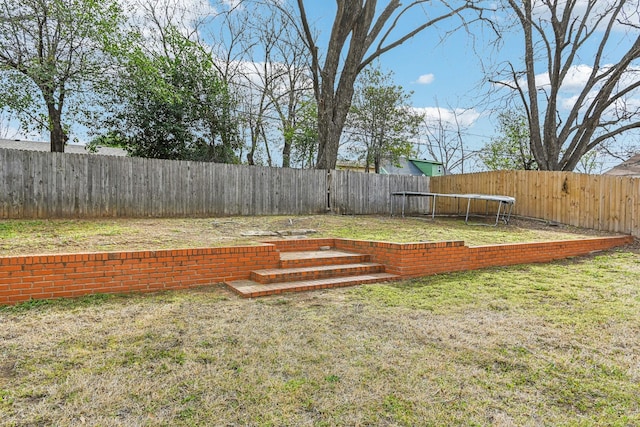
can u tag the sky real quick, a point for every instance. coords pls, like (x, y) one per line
(445, 74)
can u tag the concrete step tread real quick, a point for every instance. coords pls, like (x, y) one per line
(331, 253)
(320, 258)
(249, 288)
(316, 268)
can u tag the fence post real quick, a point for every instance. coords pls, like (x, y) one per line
(329, 192)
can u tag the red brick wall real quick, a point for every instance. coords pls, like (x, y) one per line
(58, 276)
(423, 259)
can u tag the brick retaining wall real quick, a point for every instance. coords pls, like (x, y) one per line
(428, 258)
(60, 276)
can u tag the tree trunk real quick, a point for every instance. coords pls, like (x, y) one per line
(254, 145)
(329, 141)
(286, 151)
(331, 119)
(58, 136)
(250, 154)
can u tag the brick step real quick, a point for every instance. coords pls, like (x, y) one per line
(320, 258)
(276, 275)
(250, 289)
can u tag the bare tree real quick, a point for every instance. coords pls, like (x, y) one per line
(255, 78)
(279, 77)
(294, 86)
(361, 32)
(154, 17)
(229, 48)
(443, 137)
(255, 107)
(556, 38)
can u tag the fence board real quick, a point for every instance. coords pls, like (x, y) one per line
(635, 205)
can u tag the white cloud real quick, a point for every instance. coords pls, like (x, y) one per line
(458, 116)
(186, 15)
(252, 75)
(625, 104)
(232, 4)
(425, 79)
(575, 80)
(568, 103)
(577, 77)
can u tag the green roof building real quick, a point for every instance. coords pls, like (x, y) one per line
(413, 167)
(429, 167)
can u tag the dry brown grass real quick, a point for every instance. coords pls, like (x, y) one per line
(555, 344)
(529, 345)
(57, 236)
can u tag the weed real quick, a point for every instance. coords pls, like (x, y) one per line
(332, 378)
(6, 398)
(186, 414)
(399, 409)
(293, 385)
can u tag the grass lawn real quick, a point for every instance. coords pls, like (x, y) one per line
(22, 237)
(553, 344)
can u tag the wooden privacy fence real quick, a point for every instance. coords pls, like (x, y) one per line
(363, 193)
(57, 185)
(599, 202)
(61, 185)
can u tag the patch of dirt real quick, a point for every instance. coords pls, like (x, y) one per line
(7, 370)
